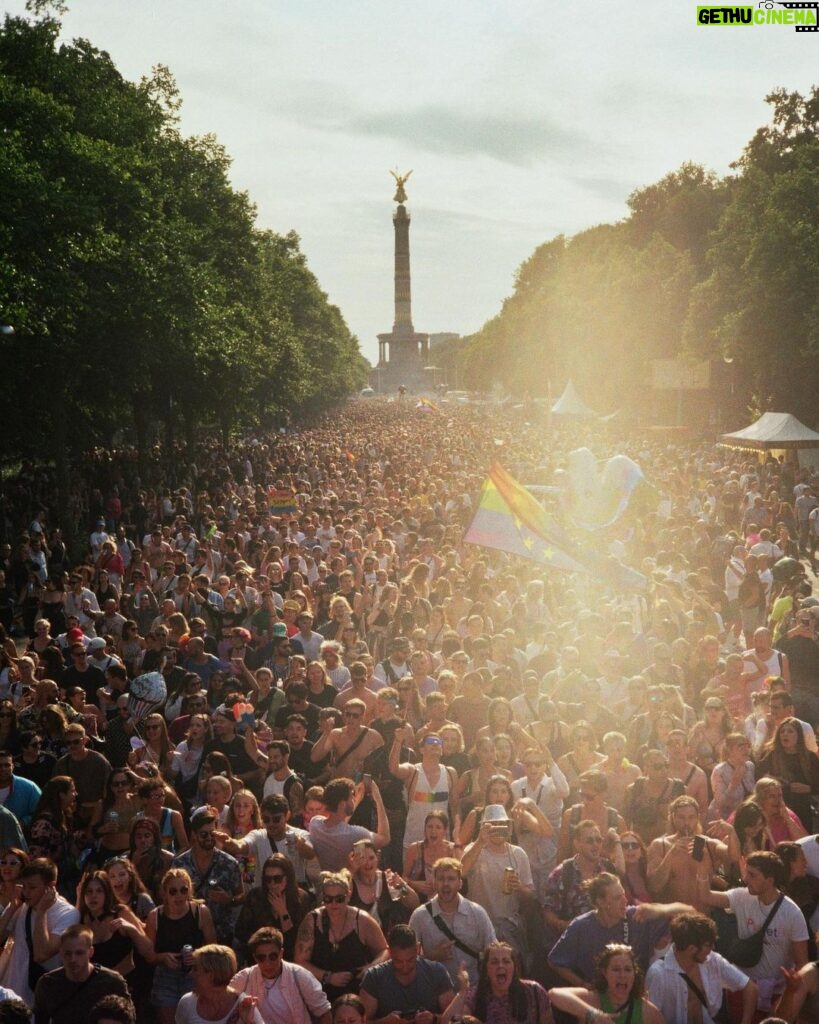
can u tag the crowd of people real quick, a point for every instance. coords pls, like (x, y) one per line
(280, 747)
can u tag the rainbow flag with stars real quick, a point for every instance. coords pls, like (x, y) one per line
(509, 519)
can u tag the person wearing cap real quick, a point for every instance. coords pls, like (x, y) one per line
(499, 876)
(274, 655)
(98, 657)
(98, 538)
(216, 876)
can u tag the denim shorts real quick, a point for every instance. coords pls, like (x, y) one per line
(169, 986)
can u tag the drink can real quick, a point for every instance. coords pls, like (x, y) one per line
(113, 817)
(506, 884)
(187, 953)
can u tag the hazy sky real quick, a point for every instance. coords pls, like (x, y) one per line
(521, 119)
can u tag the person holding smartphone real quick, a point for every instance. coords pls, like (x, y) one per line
(675, 859)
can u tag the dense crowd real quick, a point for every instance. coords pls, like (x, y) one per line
(281, 747)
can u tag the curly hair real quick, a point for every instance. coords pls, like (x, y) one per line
(602, 961)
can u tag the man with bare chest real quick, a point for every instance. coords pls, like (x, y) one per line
(348, 746)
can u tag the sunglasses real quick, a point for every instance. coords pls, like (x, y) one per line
(11, 864)
(629, 844)
(183, 890)
(274, 878)
(341, 898)
(261, 957)
(119, 783)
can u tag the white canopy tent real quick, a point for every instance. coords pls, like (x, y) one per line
(773, 430)
(570, 404)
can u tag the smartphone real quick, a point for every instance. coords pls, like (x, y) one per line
(698, 851)
(367, 779)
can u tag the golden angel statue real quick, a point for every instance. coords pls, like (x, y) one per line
(400, 180)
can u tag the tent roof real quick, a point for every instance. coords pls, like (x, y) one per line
(773, 430)
(570, 404)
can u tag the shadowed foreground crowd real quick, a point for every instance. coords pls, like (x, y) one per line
(282, 748)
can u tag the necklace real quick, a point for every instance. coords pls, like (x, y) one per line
(335, 943)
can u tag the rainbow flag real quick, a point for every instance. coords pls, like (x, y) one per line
(509, 519)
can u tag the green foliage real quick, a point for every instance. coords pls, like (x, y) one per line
(132, 271)
(701, 266)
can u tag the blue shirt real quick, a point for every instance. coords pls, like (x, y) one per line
(22, 799)
(585, 938)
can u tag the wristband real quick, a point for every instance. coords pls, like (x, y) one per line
(285, 917)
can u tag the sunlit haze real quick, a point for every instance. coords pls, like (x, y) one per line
(521, 120)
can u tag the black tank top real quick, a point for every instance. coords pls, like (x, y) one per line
(112, 951)
(348, 955)
(172, 935)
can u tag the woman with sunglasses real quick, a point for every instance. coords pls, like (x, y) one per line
(130, 647)
(278, 902)
(12, 862)
(179, 921)
(152, 794)
(146, 853)
(635, 877)
(337, 943)
(158, 748)
(286, 993)
(111, 822)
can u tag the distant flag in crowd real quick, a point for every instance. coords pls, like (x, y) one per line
(425, 405)
(281, 501)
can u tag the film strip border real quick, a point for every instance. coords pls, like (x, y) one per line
(802, 7)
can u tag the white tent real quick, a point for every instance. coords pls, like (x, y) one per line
(773, 430)
(570, 404)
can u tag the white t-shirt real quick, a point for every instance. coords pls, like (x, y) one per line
(187, 1012)
(60, 915)
(334, 843)
(787, 926)
(259, 841)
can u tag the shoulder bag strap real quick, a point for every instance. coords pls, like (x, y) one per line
(698, 992)
(772, 914)
(356, 743)
(448, 932)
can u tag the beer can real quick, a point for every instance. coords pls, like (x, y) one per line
(506, 884)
